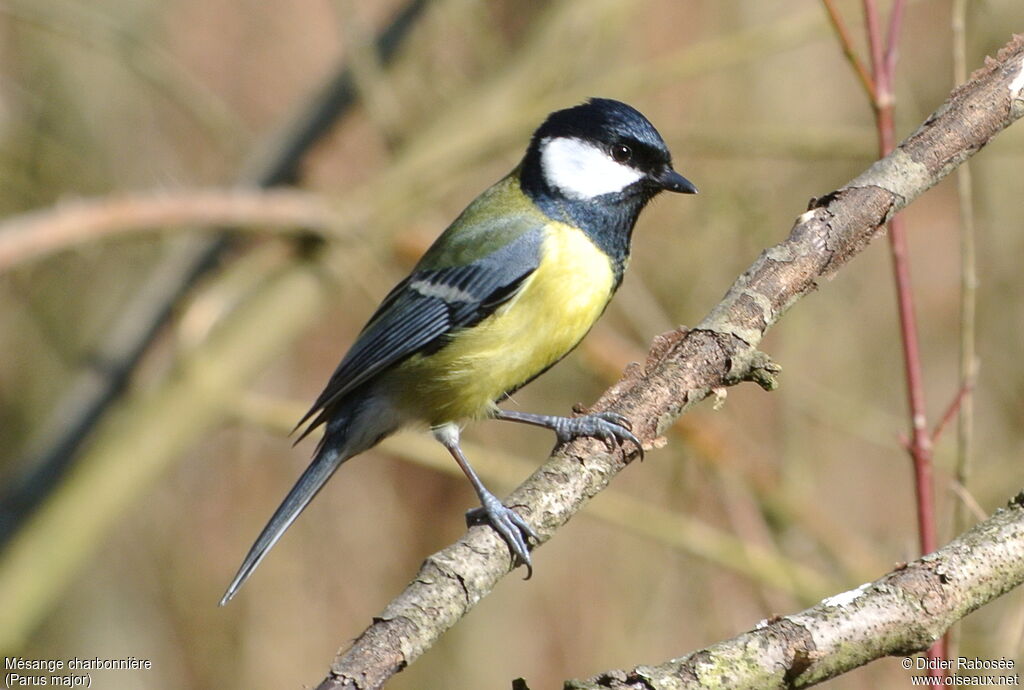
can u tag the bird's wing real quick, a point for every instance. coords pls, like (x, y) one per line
(431, 303)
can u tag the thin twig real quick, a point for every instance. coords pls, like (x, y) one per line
(846, 41)
(892, 38)
(880, 75)
(965, 504)
(966, 388)
(968, 287)
(972, 506)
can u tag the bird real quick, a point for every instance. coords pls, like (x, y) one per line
(505, 292)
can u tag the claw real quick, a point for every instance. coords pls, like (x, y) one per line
(607, 426)
(510, 526)
(616, 418)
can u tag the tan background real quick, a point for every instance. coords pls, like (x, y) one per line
(761, 112)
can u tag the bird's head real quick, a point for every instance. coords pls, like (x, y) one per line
(600, 149)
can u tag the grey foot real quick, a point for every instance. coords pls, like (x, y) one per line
(509, 525)
(607, 426)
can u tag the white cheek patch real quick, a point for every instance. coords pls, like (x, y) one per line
(582, 170)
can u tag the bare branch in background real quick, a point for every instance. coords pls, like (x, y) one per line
(90, 394)
(73, 223)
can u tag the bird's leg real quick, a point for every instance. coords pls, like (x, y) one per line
(505, 521)
(607, 426)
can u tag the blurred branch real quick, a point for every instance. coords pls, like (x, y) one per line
(89, 396)
(86, 24)
(73, 223)
(968, 290)
(375, 92)
(278, 162)
(896, 615)
(962, 504)
(141, 438)
(685, 366)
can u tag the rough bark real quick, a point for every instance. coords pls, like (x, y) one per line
(902, 613)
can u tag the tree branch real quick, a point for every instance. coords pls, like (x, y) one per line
(69, 224)
(684, 366)
(902, 613)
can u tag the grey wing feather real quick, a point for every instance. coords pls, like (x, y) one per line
(421, 310)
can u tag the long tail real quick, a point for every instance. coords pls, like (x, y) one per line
(327, 460)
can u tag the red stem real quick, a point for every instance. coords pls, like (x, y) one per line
(883, 64)
(892, 38)
(882, 95)
(920, 439)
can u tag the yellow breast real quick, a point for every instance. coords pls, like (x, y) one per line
(543, 322)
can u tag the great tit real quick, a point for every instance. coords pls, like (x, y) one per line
(510, 288)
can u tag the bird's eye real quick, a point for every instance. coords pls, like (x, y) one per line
(621, 153)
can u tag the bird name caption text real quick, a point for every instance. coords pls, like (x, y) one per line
(70, 672)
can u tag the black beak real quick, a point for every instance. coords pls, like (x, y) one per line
(672, 181)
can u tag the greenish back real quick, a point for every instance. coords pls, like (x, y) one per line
(494, 219)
